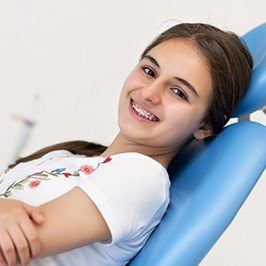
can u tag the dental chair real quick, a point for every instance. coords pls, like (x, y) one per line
(211, 179)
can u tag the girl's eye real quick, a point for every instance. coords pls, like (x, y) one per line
(150, 72)
(181, 94)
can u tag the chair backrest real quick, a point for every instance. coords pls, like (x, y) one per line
(211, 179)
(255, 97)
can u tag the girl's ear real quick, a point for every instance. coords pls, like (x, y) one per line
(203, 132)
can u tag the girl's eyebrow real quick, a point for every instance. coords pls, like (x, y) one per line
(183, 81)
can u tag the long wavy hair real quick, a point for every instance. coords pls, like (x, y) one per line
(230, 65)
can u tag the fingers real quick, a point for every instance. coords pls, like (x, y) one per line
(37, 217)
(2, 260)
(8, 248)
(20, 243)
(32, 236)
(19, 240)
(34, 213)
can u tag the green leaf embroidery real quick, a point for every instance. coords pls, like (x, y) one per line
(75, 173)
(45, 175)
(24, 181)
(18, 186)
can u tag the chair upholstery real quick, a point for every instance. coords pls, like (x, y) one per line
(211, 178)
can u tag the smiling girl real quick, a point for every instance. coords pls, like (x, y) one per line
(99, 204)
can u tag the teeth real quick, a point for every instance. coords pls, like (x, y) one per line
(144, 113)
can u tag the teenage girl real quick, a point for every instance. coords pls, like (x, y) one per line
(81, 203)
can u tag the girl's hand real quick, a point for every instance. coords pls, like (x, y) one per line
(18, 235)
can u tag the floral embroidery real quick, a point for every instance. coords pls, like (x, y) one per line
(108, 159)
(87, 169)
(34, 183)
(43, 175)
(66, 174)
(59, 170)
(19, 185)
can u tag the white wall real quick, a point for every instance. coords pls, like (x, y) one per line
(75, 56)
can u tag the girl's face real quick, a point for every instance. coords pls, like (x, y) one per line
(174, 83)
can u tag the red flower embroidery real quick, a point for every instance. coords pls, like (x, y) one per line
(66, 174)
(86, 169)
(34, 183)
(108, 159)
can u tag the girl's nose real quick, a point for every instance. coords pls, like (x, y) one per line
(152, 92)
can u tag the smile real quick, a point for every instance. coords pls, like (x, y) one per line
(141, 114)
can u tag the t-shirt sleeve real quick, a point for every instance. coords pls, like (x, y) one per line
(128, 192)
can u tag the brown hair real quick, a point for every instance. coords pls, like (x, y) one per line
(230, 64)
(76, 147)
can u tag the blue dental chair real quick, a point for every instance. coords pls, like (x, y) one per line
(214, 179)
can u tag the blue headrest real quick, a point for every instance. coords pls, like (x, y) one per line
(255, 97)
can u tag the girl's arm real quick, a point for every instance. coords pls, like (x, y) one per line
(71, 221)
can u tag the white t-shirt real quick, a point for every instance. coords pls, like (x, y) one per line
(131, 190)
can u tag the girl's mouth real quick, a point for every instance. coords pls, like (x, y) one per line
(139, 115)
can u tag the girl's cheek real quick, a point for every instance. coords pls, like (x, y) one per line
(132, 83)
